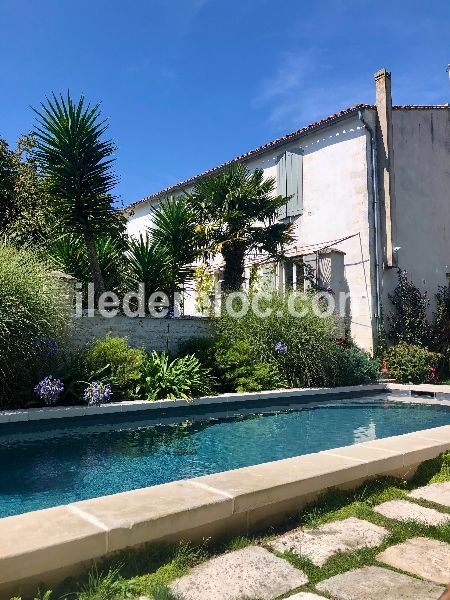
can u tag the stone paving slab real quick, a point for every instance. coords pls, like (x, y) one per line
(438, 493)
(305, 596)
(426, 558)
(375, 583)
(321, 543)
(252, 572)
(402, 510)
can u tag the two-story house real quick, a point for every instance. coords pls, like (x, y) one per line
(370, 191)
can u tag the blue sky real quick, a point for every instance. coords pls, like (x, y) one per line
(188, 84)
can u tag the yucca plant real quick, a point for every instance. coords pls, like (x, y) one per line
(147, 263)
(174, 233)
(236, 211)
(68, 254)
(77, 161)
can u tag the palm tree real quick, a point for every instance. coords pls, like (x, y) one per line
(174, 232)
(236, 211)
(68, 253)
(76, 161)
(147, 264)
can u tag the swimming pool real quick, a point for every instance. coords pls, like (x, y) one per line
(44, 465)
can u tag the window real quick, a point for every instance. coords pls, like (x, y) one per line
(290, 182)
(292, 274)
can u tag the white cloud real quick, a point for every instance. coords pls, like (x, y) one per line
(303, 90)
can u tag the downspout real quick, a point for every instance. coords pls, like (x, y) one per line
(376, 213)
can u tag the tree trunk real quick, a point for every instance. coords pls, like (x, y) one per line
(233, 276)
(97, 277)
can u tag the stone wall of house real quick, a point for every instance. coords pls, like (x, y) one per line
(153, 334)
(336, 211)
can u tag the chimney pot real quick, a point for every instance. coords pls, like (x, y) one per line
(382, 73)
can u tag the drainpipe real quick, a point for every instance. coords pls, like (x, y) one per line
(376, 213)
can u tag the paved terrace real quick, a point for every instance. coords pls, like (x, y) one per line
(415, 569)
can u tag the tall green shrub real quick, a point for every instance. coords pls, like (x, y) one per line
(308, 355)
(357, 367)
(118, 362)
(33, 310)
(440, 341)
(413, 364)
(408, 322)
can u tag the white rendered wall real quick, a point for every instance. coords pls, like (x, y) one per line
(335, 205)
(422, 198)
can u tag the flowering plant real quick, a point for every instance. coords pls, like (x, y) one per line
(97, 393)
(47, 346)
(49, 390)
(281, 348)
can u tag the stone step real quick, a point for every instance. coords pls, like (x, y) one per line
(321, 543)
(439, 493)
(375, 583)
(420, 556)
(252, 572)
(402, 510)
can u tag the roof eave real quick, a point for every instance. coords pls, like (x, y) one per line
(290, 137)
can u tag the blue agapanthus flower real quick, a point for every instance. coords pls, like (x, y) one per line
(49, 390)
(47, 346)
(97, 393)
(281, 348)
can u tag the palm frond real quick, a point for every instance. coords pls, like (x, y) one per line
(77, 161)
(147, 264)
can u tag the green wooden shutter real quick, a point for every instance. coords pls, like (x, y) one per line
(294, 182)
(282, 183)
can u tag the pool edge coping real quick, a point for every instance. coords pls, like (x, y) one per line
(43, 543)
(59, 412)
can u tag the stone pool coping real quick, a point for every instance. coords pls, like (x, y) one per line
(51, 544)
(37, 414)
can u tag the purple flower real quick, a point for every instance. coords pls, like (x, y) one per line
(49, 390)
(280, 347)
(47, 346)
(97, 393)
(329, 290)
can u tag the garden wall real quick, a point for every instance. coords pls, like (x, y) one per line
(153, 334)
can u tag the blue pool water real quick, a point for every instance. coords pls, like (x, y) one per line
(46, 465)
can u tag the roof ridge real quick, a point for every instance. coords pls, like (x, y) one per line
(273, 144)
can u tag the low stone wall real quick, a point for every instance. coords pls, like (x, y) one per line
(153, 334)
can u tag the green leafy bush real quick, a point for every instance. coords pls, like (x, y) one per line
(251, 353)
(409, 322)
(413, 364)
(33, 311)
(357, 367)
(201, 347)
(308, 355)
(232, 366)
(441, 323)
(118, 362)
(239, 373)
(182, 377)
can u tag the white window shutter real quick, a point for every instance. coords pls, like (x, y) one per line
(282, 183)
(294, 182)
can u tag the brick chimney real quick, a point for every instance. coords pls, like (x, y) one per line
(385, 152)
